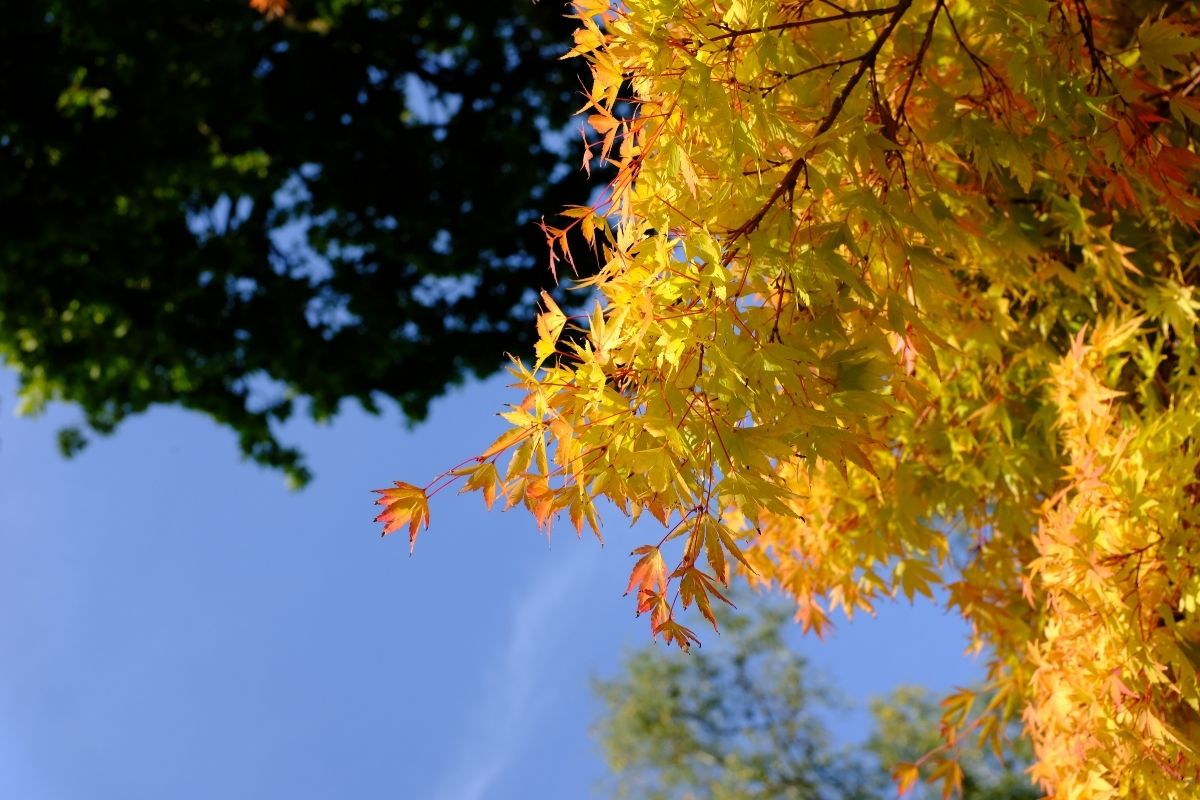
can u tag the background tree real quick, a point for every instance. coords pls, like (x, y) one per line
(901, 295)
(232, 212)
(908, 732)
(743, 718)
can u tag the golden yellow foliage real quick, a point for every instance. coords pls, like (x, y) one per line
(896, 297)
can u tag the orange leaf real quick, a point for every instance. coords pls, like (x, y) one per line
(484, 478)
(951, 776)
(270, 8)
(649, 572)
(674, 633)
(539, 499)
(602, 123)
(905, 775)
(696, 587)
(404, 504)
(582, 510)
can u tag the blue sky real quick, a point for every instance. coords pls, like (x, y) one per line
(176, 624)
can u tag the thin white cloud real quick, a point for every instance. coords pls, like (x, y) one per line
(504, 720)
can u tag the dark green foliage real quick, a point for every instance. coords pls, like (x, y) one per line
(198, 204)
(742, 719)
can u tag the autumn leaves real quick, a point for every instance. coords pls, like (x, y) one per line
(919, 320)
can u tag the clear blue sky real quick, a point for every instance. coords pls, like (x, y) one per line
(175, 624)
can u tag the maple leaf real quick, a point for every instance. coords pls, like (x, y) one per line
(649, 573)
(485, 478)
(696, 587)
(539, 499)
(1162, 42)
(676, 634)
(270, 8)
(550, 324)
(905, 776)
(404, 504)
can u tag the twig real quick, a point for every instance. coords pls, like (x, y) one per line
(787, 186)
(805, 23)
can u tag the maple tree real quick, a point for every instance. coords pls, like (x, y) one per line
(898, 299)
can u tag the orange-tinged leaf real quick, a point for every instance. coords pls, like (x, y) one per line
(583, 510)
(915, 576)
(270, 8)
(603, 123)
(1163, 42)
(950, 773)
(957, 707)
(403, 504)
(905, 776)
(696, 587)
(674, 633)
(650, 572)
(659, 511)
(574, 212)
(484, 478)
(539, 499)
(812, 617)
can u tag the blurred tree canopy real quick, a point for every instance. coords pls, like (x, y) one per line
(743, 718)
(208, 207)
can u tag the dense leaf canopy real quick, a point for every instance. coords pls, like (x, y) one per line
(902, 295)
(205, 206)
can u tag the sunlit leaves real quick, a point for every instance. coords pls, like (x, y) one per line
(896, 303)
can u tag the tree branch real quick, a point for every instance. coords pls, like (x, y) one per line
(901, 108)
(805, 23)
(1095, 54)
(787, 186)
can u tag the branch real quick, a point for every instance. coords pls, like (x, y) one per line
(805, 23)
(902, 110)
(787, 186)
(986, 73)
(784, 77)
(1095, 54)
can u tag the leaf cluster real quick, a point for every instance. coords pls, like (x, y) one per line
(901, 299)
